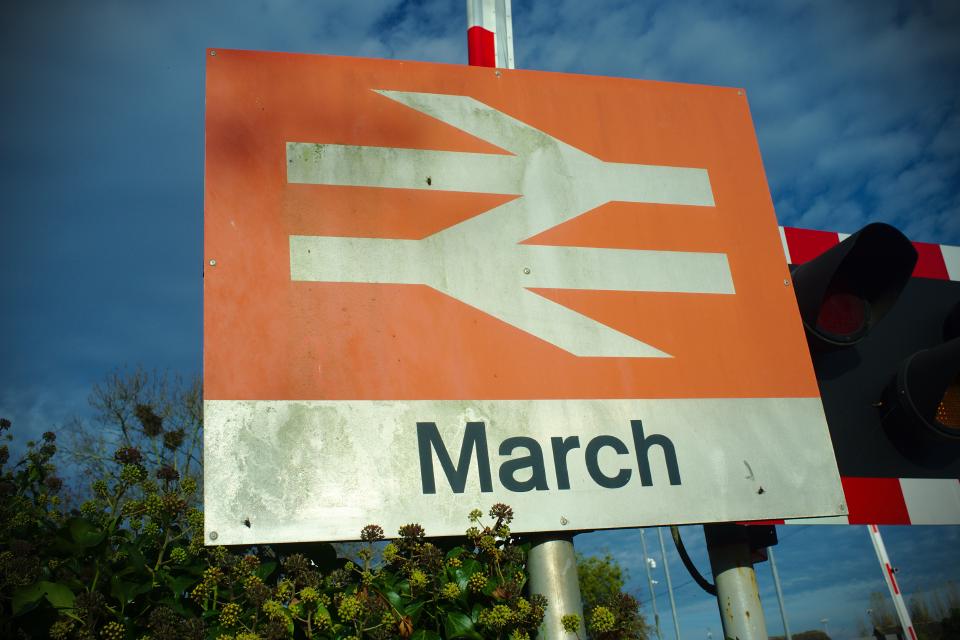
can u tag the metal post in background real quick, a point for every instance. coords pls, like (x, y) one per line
(888, 573)
(653, 594)
(776, 584)
(737, 594)
(552, 565)
(666, 572)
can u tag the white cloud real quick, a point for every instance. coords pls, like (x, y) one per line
(844, 95)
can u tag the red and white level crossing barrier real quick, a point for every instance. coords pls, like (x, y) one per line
(888, 500)
(889, 573)
(490, 33)
(938, 261)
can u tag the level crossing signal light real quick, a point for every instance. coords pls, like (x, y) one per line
(924, 398)
(886, 351)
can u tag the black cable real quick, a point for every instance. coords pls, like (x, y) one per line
(688, 563)
(795, 530)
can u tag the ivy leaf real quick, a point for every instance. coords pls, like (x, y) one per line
(134, 557)
(264, 570)
(413, 610)
(27, 598)
(59, 595)
(84, 533)
(394, 599)
(462, 573)
(76, 535)
(322, 611)
(423, 634)
(178, 584)
(459, 625)
(125, 591)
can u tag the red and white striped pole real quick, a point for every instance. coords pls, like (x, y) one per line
(888, 573)
(551, 561)
(490, 33)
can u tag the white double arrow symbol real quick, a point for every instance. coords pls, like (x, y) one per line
(480, 261)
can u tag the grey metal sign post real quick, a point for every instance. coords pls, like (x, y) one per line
(553, 574)
(737, 595)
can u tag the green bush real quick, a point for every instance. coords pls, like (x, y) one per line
(130, 563)
(610, 612)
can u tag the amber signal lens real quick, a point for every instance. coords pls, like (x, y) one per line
(948, 411)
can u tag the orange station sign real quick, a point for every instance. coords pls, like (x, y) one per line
(434, 287)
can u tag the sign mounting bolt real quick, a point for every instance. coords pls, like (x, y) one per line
(213, 535)
(786, 282)
(213, 263)
(526, 270)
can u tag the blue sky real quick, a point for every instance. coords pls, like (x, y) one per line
(857, 108)
(826, 571)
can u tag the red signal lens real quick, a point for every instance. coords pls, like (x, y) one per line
(842, 315)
